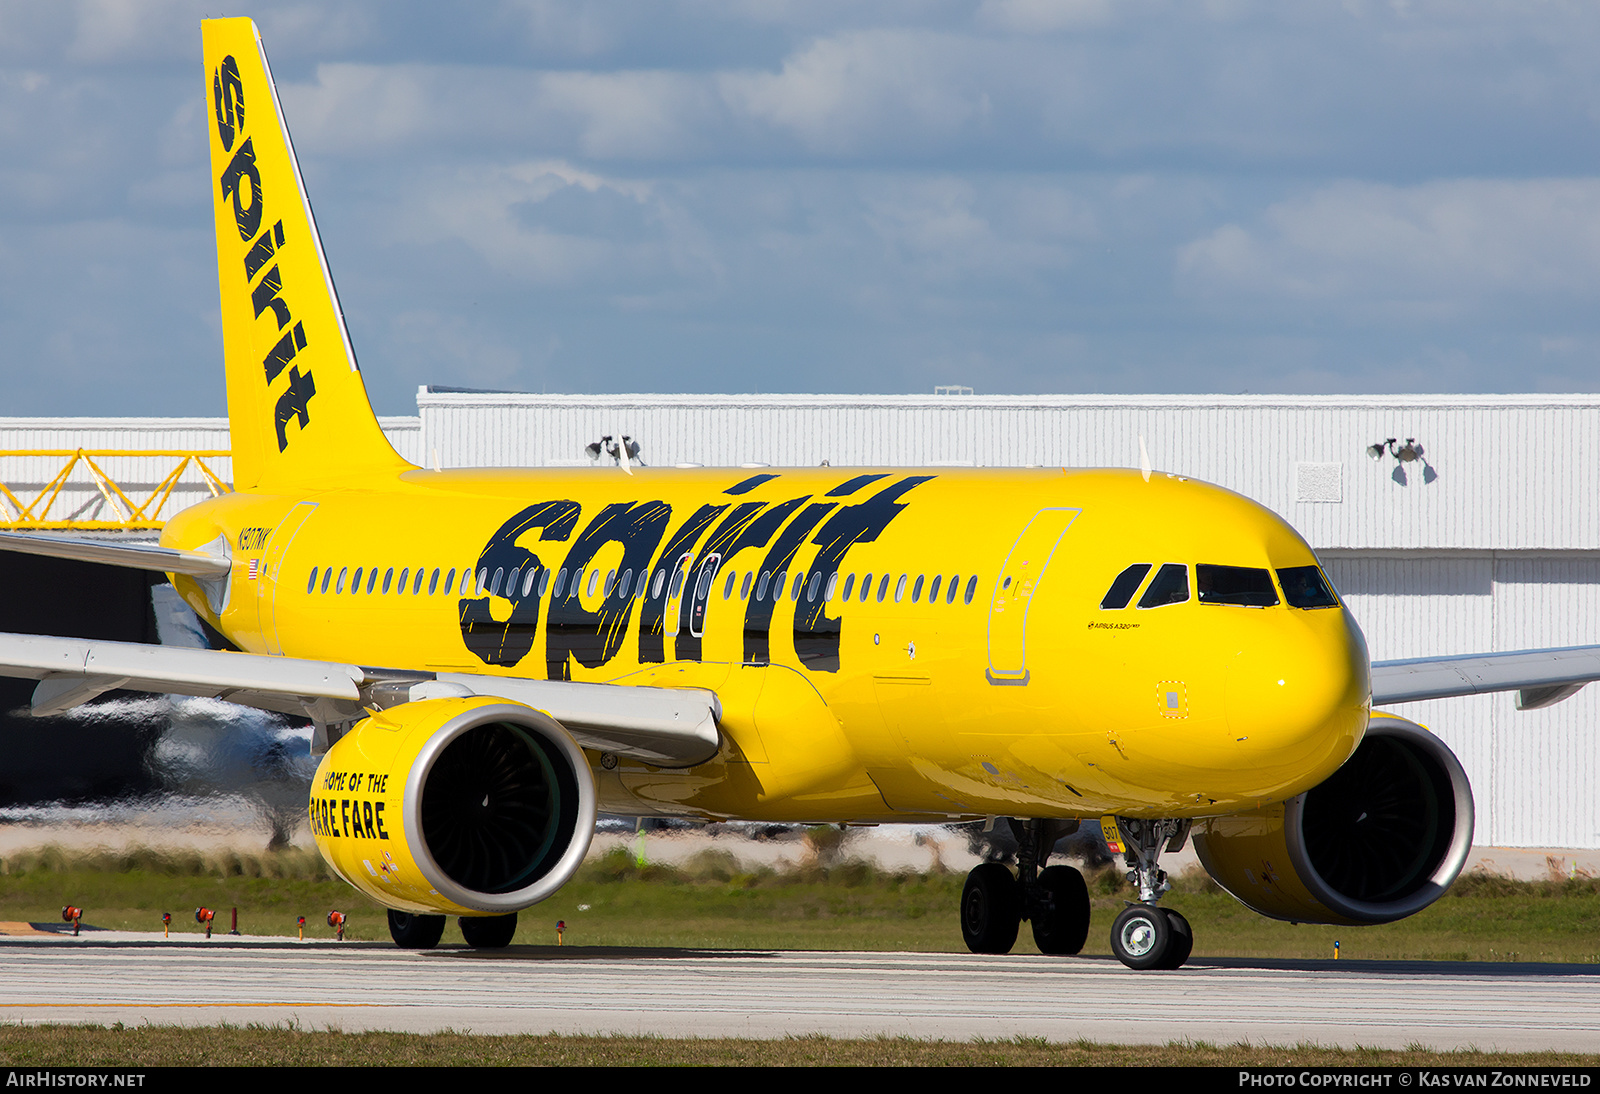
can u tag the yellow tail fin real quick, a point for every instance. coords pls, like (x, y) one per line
(297, 407)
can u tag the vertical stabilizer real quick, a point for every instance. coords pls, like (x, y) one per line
(297, 407)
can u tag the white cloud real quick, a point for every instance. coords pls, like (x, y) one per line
(1044, 16)
(842, 93)
(1440, 248)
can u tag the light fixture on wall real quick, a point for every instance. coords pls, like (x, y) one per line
(1409, 452)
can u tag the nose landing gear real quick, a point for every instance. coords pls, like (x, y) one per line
(1143, 935)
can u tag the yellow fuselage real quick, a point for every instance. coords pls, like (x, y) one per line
(1028, 699)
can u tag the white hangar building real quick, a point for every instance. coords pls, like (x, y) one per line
(1487, 540)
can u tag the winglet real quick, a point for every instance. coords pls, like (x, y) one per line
(297, 406)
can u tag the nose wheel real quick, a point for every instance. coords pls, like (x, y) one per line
(1147, 937)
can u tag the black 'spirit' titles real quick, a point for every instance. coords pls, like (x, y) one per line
(749, 484)
(227, 97)
(496, 643)
(744, 528)
(758, 613)
(816, 633)
(593, 637)
(241, 184)
(692, 607)
(846, 488)
(653, 615)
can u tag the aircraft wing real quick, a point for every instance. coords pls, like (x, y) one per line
(137, 556)
(1540, 678)
(669, 727)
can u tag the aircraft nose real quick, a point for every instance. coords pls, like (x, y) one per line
(1297, 698)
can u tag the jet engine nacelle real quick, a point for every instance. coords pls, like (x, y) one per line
(461, 806)
(1382, 838)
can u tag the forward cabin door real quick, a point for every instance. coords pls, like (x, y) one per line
(1013, 593)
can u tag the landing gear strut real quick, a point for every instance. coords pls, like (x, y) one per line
(1145, 936)
(1054, 898)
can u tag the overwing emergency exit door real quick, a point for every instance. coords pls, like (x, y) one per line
(1013, 593)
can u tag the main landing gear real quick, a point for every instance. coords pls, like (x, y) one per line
(1056, 901)
(422, 932)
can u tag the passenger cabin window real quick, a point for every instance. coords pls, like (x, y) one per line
(311, 586)
(1171, 586)
(849, 586)
(1305, 587)
(326, 574)
(1125, 586)
(972, 589)
(1239, 586)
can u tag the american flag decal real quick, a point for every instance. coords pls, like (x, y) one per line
(255, 568)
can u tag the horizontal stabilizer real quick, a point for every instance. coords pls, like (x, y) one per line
(136, 556)
(1544, 677)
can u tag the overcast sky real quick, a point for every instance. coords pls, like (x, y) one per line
(758, 195)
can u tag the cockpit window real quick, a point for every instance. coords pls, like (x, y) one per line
(1237, 585)
(1305, 587)
(1125, 586)
(1170, 586)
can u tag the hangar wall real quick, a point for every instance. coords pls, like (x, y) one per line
(1490, 541)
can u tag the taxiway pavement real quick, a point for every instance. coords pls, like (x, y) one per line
(114, 976)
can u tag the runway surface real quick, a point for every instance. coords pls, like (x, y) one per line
(131, 978)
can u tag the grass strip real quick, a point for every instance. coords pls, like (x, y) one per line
(256, 1046)
(712, 902)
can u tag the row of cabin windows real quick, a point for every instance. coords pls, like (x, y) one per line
(521, 583)
(1240, 586)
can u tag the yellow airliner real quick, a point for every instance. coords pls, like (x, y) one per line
(490, 657)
